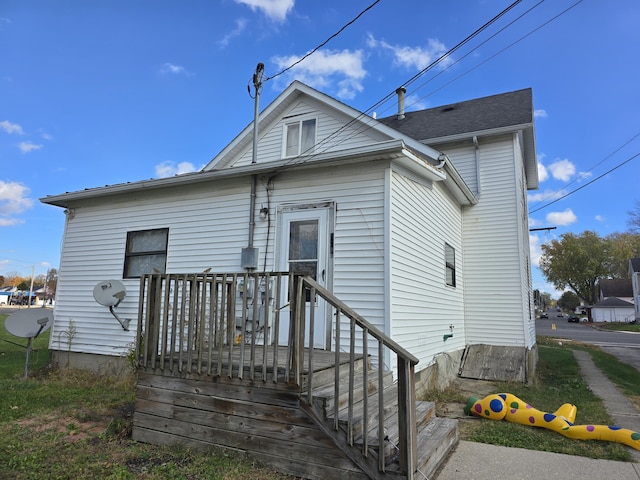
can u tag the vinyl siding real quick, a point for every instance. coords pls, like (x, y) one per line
(493, 250)
(331, 135)
(528, 309)
(358, 263)
(208, 227)
(204, 231)
(424, 218)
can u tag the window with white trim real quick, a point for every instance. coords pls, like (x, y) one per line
(300, 137)
(450, 265)
(146, 252)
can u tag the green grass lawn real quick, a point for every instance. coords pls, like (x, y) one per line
(77, 424)
(558, 381)
(620, 327)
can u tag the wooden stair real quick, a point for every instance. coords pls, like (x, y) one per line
(436, 436)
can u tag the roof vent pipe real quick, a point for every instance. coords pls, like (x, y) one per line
(400, 92)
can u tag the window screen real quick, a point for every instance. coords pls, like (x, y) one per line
(146, 252)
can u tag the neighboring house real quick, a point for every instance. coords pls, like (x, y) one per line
(5, 297)
(418, 222)
(612, 309)
(616, 301)
(634, 273)
(615, 288)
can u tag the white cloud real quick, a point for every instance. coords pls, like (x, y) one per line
(540, 113)
(170, 68)
(413, 57)
(276, 10)
(10, 128)
(413, 102)
(562, 218)
(26, 147)
(241, 24)
(13, 200)
(545, 196)
(543, 173)
(326, 69)
(169, 169)
(599, 218)
(562, 170)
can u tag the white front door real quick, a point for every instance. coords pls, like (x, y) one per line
(304, 247)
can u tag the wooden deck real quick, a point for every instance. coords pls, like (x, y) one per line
(206, 381)
(260, 418)
(243, 357)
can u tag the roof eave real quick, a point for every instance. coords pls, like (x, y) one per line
(389, 150)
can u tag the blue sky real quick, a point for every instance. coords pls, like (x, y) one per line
(100, 92)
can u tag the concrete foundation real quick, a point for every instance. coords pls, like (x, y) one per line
(440, 373)
(499, 363)
(106, 364)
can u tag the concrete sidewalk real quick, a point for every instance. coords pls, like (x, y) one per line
(479, 461)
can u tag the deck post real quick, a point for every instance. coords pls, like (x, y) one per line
(407, 417)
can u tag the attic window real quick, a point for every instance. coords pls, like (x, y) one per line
(300, 137)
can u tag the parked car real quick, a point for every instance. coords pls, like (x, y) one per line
(544, 315)
(573, 318)
(560, 314)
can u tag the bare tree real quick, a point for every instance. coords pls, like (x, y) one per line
(634, 218)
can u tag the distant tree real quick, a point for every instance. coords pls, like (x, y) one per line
(51, 282)
(634, 218)
(23, 285)
(542, 299)
(1, 281)
(576, 262)
(622, 247)
(568, 301)
(12, 279)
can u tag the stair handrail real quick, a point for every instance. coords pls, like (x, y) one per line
(406, 361)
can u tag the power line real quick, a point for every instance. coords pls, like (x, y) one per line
(586, 184)
(555, 17)
(408, 82)
(582, 175)
(324, 43)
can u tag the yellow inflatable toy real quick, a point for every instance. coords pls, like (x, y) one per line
(505, 406)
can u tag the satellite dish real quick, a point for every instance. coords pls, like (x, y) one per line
(29, 322)
(109, 293)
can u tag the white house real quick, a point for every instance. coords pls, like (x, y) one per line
(417, 221)
(615, 301)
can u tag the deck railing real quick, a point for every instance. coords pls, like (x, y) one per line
(260, 327)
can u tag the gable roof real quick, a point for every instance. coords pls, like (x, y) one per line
(616, 287)
(405, 141)
(291, 95)
(495, 114)
(613, 302)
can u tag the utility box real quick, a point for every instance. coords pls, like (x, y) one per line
(249, 260)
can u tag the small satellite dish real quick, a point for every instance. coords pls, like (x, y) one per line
(29, 322)
(109, 293)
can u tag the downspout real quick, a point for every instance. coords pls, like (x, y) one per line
(477, 153)
(250, 254)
